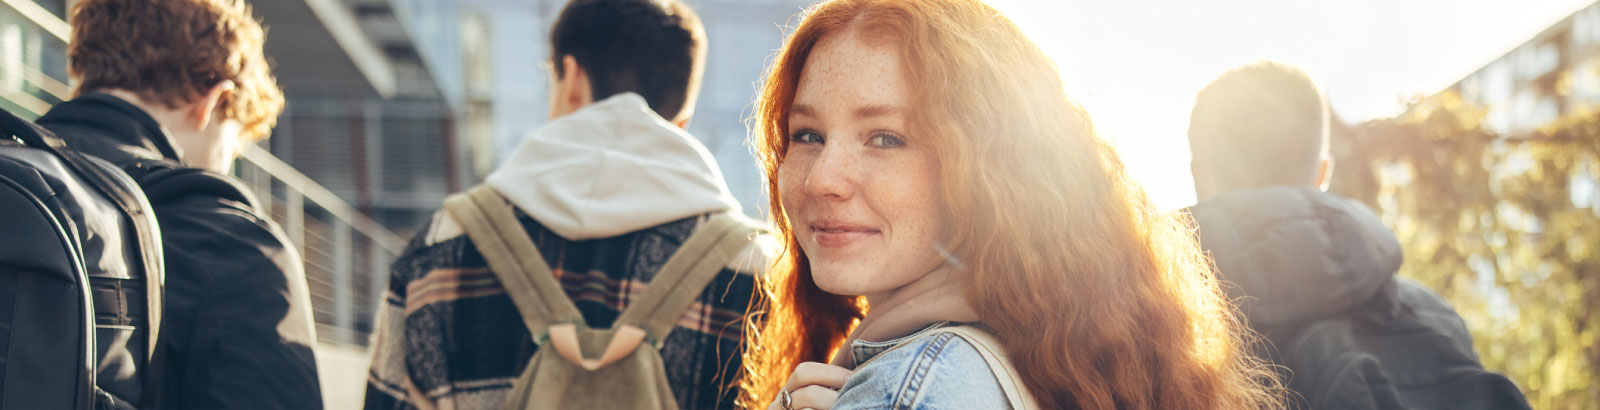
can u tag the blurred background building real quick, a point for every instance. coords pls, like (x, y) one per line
(33, 58)
(1553, 75)
(491, 57)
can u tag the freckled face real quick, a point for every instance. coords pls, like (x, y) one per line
(860, 191)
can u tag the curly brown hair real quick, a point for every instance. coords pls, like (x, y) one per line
(172, 51)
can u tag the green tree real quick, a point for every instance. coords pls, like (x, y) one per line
(1507, 228)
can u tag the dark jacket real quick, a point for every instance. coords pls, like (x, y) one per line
(237, 330)
(1315, 274)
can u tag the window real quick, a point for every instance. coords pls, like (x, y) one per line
(1536, 60)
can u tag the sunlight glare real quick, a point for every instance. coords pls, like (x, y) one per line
(1136, 65)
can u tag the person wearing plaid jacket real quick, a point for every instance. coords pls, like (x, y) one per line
(608, 190)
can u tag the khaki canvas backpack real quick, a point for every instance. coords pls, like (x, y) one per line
(577, 367)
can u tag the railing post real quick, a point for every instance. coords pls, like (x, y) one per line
(344, 315)
(347, 301)
(377, 283)
(294, 215)
(372, 148)
(262, 182)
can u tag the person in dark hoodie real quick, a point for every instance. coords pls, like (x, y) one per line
(169, 91)
(1315, 273)
(607, 190)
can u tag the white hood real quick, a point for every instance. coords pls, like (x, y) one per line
(611, 168)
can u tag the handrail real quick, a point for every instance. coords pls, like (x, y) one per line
(41, 17)
(50, 85)
(28, 102)
(323, 197)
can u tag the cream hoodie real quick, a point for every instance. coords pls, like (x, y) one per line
(611, 168)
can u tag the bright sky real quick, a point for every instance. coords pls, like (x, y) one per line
(1137, 64)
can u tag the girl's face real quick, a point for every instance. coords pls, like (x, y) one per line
(860, 191)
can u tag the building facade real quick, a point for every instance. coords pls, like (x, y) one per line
(33, 56)
(1553, 75)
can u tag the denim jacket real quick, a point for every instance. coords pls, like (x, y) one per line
(915, 372)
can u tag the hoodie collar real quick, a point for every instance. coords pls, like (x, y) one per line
(611, 168)
(1296, 253)
(122, 131)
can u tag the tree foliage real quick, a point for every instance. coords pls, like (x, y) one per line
(1505, 227)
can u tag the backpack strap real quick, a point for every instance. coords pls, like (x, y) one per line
(686, 273)
(514, 259)
(166, 182)
(119, 188)
(994, 355)
(546, 310)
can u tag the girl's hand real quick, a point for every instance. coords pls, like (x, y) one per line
(812, 386)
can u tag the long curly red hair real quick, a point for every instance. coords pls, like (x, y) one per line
(1101, 301)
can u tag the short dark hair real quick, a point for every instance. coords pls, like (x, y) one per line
(655, 48)
(1264, 123)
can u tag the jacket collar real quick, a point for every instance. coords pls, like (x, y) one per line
(111, 128)
(861, 350)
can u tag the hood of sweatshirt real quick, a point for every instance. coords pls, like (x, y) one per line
(1293, 253)
(611, 168)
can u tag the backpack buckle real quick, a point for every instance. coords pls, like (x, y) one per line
(564, 337)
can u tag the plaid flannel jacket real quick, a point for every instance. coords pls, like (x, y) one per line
(449, 337)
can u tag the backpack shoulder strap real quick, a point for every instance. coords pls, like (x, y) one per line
(514, 259)
(122, 191)
(994, 355)
(681, 280)
(165, 182)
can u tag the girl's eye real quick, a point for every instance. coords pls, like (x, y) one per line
(886, 140)
(806, 137)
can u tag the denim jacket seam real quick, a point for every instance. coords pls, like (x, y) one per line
(917, 374)
(878, 348)
(903, 339)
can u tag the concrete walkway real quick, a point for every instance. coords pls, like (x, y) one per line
(343, 372)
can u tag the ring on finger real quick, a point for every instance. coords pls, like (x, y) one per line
(785, 401)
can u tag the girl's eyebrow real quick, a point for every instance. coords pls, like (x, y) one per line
(864, 112)
(802, 110)
(875, 111)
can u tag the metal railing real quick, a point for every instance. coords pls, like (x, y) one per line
(31, 39)
(346, 252)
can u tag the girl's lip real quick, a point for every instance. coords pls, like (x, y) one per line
(829, 225)
(837, 234)
(840, 239)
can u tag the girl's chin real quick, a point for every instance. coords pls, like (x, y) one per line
(830, 283)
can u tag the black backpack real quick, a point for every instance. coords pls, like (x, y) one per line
(1406, 348)
(80, 278)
